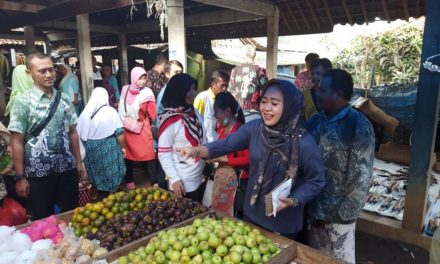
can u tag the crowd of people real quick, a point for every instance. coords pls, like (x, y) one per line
(245, 133)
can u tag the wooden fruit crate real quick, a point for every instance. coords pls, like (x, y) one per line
(287, 246)
(308, 255)
(124, 250)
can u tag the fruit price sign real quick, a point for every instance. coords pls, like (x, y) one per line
(209, 240)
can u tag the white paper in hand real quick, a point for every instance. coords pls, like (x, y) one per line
(283, 190)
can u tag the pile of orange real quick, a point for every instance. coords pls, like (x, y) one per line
(93, 215)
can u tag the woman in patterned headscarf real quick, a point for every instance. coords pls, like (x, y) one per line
(279, 149)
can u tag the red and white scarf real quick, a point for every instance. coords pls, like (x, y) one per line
(193, 127)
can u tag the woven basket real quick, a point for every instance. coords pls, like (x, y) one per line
(85, 194)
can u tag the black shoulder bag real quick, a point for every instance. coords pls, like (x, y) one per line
(37, 130)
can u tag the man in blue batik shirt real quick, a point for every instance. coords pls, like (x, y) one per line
(346, 139)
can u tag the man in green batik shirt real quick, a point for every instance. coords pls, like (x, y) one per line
(47, 165)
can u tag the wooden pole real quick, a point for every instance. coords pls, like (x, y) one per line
(176, 32)
(85, 55)
(425, 125)
(29, 36)
(123, 59)
(272, 44)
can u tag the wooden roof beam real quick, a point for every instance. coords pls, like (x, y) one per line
(312, 11)
(292, 15)
(255, 7)
(20, 7)
(73, 26)
(405, 9)
(199, 20)
(327, 11)
(385, 11)
(285, 22)
(302, 14)
(347, 13)
(65, 9)
(364, 11)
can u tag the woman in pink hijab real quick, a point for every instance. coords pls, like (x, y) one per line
(138, 106)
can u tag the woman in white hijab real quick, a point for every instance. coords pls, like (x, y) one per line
(100, 129)
(70, 86)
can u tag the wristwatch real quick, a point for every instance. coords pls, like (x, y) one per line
(18, 177)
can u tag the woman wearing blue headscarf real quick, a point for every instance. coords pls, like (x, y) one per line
(279, 149)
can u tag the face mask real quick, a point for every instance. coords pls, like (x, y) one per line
(225, 121)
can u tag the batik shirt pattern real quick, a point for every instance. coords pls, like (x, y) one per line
(155, 81)
(247, 81)
(49, 152)
(346, 141)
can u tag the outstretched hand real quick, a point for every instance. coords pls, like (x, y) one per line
(188, 153)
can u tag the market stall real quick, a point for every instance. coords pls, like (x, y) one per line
(143, 225)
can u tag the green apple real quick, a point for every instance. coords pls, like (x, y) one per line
(265, 258)
(255, 250)
(172, 239)
(247, 257)
(178, 246)
(213, 241)
(239, 240)
(222, 234)
(159, 258)
(193, 250)
(216, 259)
(198, 259)
(227, 258)
(237, 248)
(272, 247)
(197, 222)
(203, 236)
(149, 249)
(229, 242)
(203, 245)
(185, 259)
(250, 242)
(131, 255)
(161, 234)
(194, 241)
(235, 257)
(206, 255)
(186, 242)
(163, 246)
(191, 230)
(123, 260)
(221, 250)
(175, 256)
(264, 249)
(256, 258)
(185, 252)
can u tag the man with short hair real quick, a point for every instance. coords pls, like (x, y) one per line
(247, 81)
(45, 144)
(317, 67)
(346, 139)
(204, 102)
(156, 79)
(303, 80)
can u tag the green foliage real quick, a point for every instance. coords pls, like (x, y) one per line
(394, 54)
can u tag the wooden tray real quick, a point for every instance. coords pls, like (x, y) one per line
(124, 250)
(287, 254)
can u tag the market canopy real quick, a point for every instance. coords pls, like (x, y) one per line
(204, 19)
